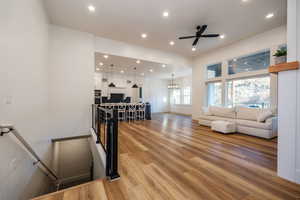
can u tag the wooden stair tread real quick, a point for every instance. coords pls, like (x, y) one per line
(88, 191)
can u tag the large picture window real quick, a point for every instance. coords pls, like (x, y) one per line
(253, 62)
(214, 94)
(251, 92)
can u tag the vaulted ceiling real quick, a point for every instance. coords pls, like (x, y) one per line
(127, 20)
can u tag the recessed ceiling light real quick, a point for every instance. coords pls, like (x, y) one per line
(138, 61)
(105, 56)
(97, 69)
(222, 36)
(164, 65)
(101, 64)
(144, 35)
(151, 70)
(122, 71)
(194, 49)
(245, 0)
(270, 15)
(142, 74)
(172, 43)
(91, 8)
(165, 14)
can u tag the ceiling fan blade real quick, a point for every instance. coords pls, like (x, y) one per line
(196, 41)
(202, 29)
(210, 35)
(186, 37)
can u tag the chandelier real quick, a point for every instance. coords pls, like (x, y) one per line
(172, 85)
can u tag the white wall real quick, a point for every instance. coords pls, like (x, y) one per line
(154, 90)
(118, 48)
(289, 103)
(71, 84)
(185, 81)
(75, 159)
(23, 95)
(270, 39)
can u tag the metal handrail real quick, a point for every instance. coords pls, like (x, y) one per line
(6, 129)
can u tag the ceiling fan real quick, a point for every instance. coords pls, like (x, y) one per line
(199, 34)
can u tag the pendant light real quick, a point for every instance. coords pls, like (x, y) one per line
(173, 85)
(135, 85)
(111, 85)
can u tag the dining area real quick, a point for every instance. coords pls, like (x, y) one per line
(126, 111)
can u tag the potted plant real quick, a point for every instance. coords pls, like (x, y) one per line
(280, 56)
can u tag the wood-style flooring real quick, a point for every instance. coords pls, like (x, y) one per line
(172, 157)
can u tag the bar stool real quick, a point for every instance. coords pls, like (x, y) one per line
(109, 107)
(140, 111)
(131, 112)
(122, 112)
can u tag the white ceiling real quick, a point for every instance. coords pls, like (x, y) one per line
(125, 20)
(128, 65)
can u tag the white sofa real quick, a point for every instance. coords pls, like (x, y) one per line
(250, 121)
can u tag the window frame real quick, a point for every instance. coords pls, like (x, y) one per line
(225, 76)
(189, 95)
(206, 71)
(226, 104)
(207, 87)
(173, 101)
(247, 55)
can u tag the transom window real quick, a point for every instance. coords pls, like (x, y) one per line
(248, 63)
(214, 71)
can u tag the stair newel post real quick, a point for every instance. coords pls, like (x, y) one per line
(112, 151)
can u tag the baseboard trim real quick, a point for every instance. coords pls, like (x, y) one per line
(298, 176)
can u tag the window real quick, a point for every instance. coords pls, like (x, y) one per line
(214, 71)
(176, 96)
(214, 94)
(252, 62)
(252, 92)
(187, 95)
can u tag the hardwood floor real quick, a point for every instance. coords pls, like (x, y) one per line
(171, 157)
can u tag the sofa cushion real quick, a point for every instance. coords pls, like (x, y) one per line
(264, 114)
(254, 124)
(247, 113)
(215, 118)
(222, 111)
(206, 111)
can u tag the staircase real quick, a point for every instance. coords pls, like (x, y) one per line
(77, 160)
(89, 191)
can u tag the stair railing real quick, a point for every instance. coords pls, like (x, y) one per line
(7, 129)
(105, 125)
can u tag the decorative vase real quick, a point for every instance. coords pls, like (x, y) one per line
(280, 59)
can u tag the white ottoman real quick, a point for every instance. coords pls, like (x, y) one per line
(223, 126)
